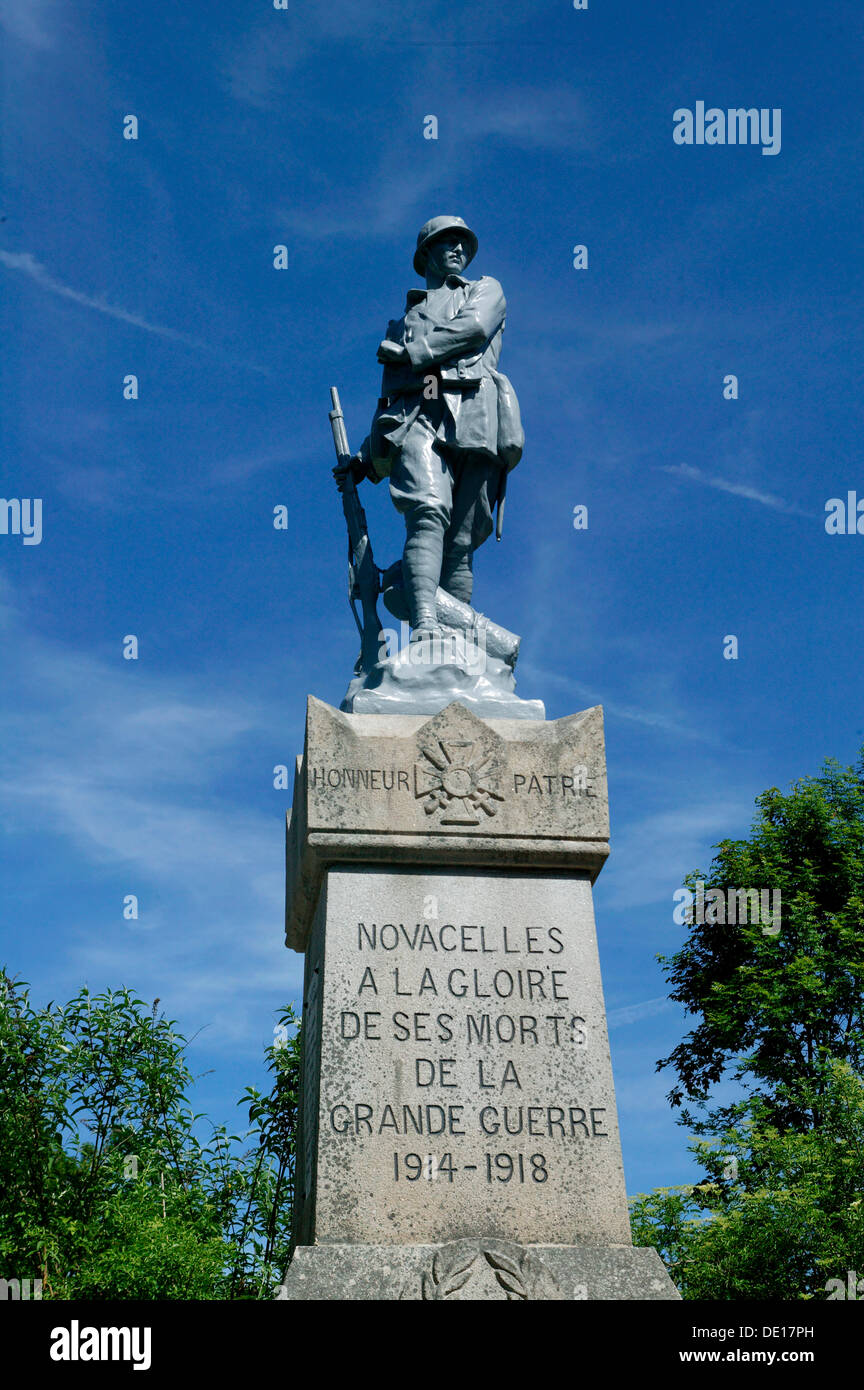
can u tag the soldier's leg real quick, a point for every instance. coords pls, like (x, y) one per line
(457, 572)
(476, 481)
(421, 565)
(421, 487)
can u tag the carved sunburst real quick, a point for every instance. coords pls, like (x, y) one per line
(455, 779)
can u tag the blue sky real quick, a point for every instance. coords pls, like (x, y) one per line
(260, 127)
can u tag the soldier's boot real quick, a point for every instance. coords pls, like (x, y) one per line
(457, 575)
(421, 571)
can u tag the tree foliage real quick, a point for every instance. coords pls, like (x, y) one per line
(778, 1214)
(774, 1008)
(106, 1188)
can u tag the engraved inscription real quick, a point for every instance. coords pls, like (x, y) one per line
(559, 784)
(484, 1022)
(454, 772)
(466, 1084)
(367, 779)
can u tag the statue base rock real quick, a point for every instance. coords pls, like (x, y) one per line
(426, 675)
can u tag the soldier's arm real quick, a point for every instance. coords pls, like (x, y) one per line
(480, 316)
(366, 464)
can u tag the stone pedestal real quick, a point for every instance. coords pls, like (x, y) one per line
(459, 1136)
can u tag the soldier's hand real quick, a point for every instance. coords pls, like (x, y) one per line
(355, 466)
(388, 351)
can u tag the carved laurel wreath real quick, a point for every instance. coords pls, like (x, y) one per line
(521, 1276)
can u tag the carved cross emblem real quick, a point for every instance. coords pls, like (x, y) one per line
(455, 778)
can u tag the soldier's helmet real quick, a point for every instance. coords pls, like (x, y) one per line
(433, 228)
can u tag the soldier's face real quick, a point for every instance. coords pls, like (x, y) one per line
(446, 255)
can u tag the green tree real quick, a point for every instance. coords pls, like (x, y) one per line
(106, 1190)
(774, 1008)
(780, 1015)
(264, 1196)
(778, 1214)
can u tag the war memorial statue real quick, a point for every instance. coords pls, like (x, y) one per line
(458, 1132)
(446, 433)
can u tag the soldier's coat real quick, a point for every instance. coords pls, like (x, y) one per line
(452, 334)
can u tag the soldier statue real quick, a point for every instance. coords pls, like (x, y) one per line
(447, 429)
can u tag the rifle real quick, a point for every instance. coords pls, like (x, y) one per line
(502, 498)
(363, 578)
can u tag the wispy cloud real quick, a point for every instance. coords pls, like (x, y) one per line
(632, 714)
(531, 118)
(652, 854)
(525, 118)
(136, 805)
(33, 22)
(256, 67)
(766, 499)
(26, 264)
(634, 1013)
